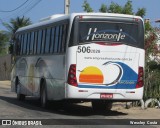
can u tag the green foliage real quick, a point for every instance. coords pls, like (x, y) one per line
(17, 23)
(152, 68)
(128, 9)
(3, 42)
(141, 12)
(103, 8)
(152, 83)
(14, 25)
(115, 8)
(148, 27)
(86, 7)
(150, 44)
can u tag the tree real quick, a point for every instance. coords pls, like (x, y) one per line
(128, 9)
(86, 7)
(152, 68)
(116, 8)
(141, 12)
(148, 27)
(4, 37)
(16, 23)
(103, 8)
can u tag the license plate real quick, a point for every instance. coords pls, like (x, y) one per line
(106, 95)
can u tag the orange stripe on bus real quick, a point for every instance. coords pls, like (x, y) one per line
(91, 78)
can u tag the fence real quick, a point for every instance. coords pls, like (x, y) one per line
(5, 67)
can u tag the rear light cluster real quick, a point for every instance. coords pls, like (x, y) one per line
(72, 80)
(140, 81)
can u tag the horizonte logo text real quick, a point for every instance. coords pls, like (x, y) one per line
(105, 36)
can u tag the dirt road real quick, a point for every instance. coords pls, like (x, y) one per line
(11, 108)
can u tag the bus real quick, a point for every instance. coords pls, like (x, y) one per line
(94, 57)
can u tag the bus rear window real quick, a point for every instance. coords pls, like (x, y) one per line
(108, 31)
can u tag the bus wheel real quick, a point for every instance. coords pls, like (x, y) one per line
(43, 96)
(20, 96)
(101, 105)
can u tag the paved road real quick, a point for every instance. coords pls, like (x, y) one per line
(11, 108)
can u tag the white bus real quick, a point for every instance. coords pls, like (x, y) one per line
(97, 57)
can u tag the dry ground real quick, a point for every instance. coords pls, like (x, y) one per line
(132, 113)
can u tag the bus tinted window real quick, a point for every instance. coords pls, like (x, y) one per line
(56, 40)
(43, 41)
(25, 44)
(47, 44)
(60, 38)
(118, 32)
(52, 40)
(64, 38)
(35, 42)
(22, 36)
(32, 42)
(28, 42)
(18, 43)
(39, 41)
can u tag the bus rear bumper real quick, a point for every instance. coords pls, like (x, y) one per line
(106, 94)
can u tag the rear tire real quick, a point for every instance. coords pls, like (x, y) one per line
(101, 105)
(20, 96)
(43, 96)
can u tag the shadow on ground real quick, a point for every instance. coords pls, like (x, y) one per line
(63, 108)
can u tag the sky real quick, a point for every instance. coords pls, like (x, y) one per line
(38, 9)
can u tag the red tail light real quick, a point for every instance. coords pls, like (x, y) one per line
(140, 81)
(72, 80)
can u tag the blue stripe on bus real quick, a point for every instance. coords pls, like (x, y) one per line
(118, 86)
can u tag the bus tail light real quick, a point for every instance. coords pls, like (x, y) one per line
(140, 81)
(72, 80)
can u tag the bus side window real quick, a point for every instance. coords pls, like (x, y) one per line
(43, 41)
(25, 44)
(52, 39)
(39, 41)
(56, 40)
(28, 43)
(60, 38)
(64, 38)
(48, 37)
(18, 44)
(32, 43)
(35, 43)
(22, 36)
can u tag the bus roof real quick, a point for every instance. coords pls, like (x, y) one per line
(55, 18)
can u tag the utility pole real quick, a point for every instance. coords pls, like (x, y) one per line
(66, 6)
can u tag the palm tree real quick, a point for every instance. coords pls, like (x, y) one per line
(13, 26)
(17, 23)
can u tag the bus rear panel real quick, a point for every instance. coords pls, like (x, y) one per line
(105, 58)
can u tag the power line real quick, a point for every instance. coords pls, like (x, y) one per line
(15, 8)
(23, 11)
(34, 5)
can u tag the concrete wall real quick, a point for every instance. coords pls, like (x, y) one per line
(5, 67)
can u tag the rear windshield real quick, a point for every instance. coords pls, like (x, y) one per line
(116, 32)
(107, 30)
